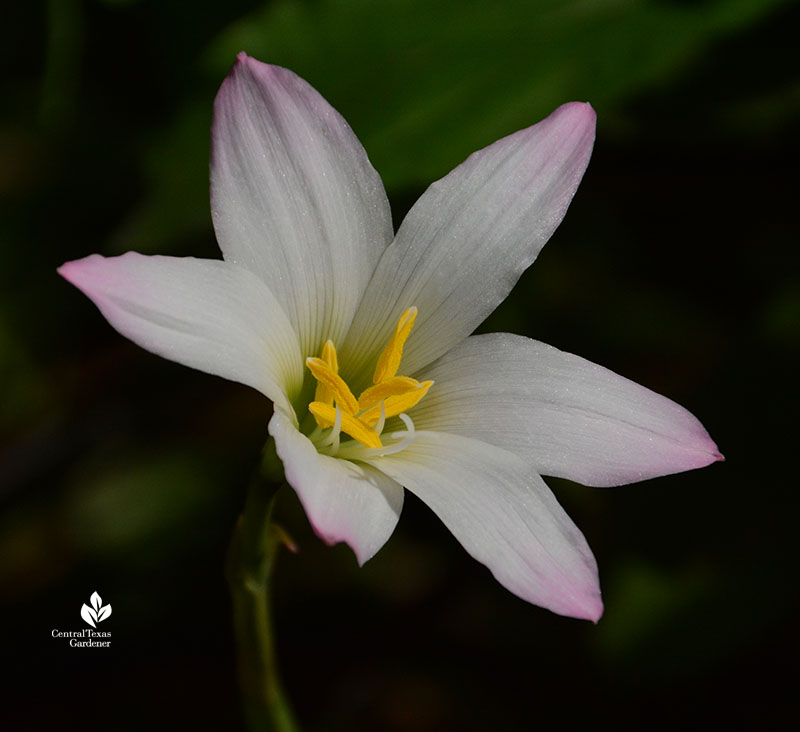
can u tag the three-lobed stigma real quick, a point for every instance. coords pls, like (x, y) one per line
(336, 409)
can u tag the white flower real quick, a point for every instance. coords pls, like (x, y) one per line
(315, 292)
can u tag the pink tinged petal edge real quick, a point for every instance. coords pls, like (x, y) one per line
(294, 197)
(205, 314)
(344, 501)
(566, 416)
(505, 516)
(465, 243)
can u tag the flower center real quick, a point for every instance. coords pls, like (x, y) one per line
(337, 410)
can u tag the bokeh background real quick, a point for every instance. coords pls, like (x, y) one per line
(677, 266)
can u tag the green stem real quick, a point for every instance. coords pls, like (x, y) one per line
(251, 556)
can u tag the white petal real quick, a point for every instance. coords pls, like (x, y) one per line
(567, 416)
(505, 517)
(294, 197)
(344, 501)
(206, 314)
(471, 235)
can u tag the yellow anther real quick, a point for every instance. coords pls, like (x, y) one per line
(389, 360)
(352, 426)
(328, 355)
(324, 393)
(391, 387)
(342, 395)
(397, 404)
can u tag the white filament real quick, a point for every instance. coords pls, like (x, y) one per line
(354, 450)
(382, 420)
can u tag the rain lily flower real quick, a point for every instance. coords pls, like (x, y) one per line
(361, 338)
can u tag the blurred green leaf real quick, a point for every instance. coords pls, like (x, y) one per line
(765, 112)
(648, 604)
(781, 316)
(27, 389)
(176, 177)
(118, 509)
(424, 85)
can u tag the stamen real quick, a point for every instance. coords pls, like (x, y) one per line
(324, 393)
(351, 451)
(408, 436)
(381, 421)
(336, 410)
(341, 391)
(397, 404)
(349, 424)
(389, 360)
(391, 387)
(331, 443)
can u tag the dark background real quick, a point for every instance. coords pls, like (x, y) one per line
(676, 266)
